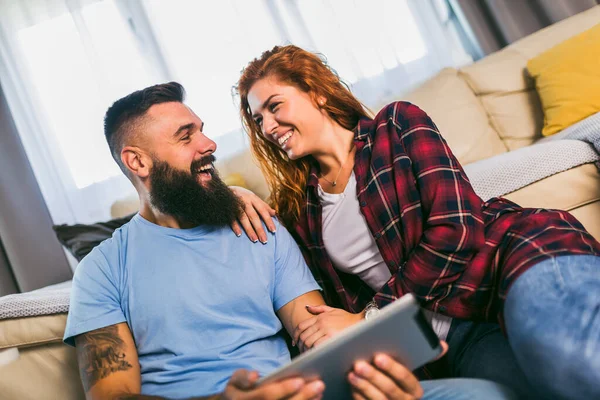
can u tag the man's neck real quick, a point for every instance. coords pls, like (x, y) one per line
(150, 213)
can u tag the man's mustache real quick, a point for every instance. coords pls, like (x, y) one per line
(202, 161)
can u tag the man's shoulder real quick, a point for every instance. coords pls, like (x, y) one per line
(95, 260)
(110, 244)
(281, 231)
(107, 253)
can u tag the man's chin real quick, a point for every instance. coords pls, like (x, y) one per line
(202, 198)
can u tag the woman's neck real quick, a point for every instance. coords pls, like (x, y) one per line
(335, 147)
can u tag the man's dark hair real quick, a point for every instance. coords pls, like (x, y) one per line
(125, 115)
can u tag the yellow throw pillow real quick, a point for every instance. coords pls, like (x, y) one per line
(567, 78)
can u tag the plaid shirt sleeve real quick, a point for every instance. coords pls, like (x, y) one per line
(453, 228)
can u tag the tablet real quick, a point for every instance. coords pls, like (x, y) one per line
(399, 330)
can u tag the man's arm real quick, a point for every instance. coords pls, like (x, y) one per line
(110, 370)
(108, 362)
(295, 312)
(109, 366)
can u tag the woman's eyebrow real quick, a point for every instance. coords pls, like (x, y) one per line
(265, 104)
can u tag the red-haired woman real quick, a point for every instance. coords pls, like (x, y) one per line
(381, 207)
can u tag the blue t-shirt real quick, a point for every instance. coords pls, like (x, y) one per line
(199, 302)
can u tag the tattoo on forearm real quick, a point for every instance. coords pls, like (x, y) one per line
(99, 354)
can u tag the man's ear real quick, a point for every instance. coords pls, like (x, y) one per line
(136, 161)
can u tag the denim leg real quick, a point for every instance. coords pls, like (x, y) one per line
(480, 350)
(465, 389)
(552, 315)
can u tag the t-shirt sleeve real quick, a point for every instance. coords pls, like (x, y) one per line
(95, 300)
(292, 276)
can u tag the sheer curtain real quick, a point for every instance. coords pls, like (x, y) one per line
(63, 62)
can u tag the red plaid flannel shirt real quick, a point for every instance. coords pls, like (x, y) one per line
(455, 252)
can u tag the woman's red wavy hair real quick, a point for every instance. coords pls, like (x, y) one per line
(309, 73)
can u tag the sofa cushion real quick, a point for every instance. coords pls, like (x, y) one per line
(458, 115)
(32, 331)
(505, 114)
(567, 79)
(506, 90)
(46, 367)
(46, 371)
(583, 185)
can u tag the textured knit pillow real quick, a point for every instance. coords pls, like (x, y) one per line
(567, 78)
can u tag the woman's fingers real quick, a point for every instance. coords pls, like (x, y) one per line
(302, 326)
(235, 227)
(316, 310)
(322, 340)
(255, 212)
(248, 228)
(266, 213)
(310, 336)
(305, 334)
(256, 222)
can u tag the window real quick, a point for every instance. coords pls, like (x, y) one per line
(64, 62)
(206, 45)
(77, 80)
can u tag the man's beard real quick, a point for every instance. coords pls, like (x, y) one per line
(178, 194)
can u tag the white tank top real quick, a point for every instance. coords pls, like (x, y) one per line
(353, 250)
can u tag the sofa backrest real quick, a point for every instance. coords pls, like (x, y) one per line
(491, 106)
(506, 91)
(459, 115)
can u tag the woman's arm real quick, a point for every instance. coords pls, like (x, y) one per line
(453, 228)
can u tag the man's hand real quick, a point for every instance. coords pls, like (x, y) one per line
(326, 323)
(385, 378)
(255, 211)
(242, 386)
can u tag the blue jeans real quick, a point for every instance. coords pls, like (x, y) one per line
(480, 350)
(552, 316)
(465, 389)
